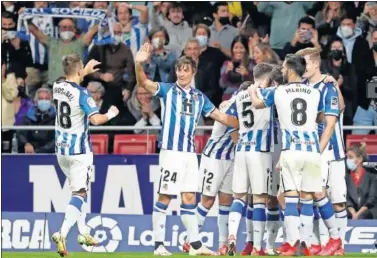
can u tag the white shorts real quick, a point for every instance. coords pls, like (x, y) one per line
(333, 177)
(300, 171)
(179, 172)
(251, 169)
(78, 169)
(217, 176)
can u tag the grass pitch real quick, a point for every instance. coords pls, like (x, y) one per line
(122, 255)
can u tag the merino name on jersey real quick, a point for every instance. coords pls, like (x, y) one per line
(220, 145)
(74, 106)
(256, 125)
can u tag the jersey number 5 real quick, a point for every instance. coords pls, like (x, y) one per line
(298, 107)
(247, 114)
(63, 112)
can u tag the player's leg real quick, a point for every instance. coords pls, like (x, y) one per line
(188, 186)
(249, 245)
(337, 193)
(169, 185)
(240, 186)
(291, 183)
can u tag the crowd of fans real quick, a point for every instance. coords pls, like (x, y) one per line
(226, 39)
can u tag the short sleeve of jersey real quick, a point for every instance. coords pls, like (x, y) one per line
(87, 103)
(331, 100)
(163, 89)
(232, 110)
(268, 96)
(208, 107)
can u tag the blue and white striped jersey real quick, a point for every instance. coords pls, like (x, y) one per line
(38, 50)
(297, 105)
(180, 112)
(330, 98)
(74, 106)
(255, 133)
(136, 37)
(220, 145)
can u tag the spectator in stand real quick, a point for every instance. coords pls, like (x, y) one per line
(22, 104)
(361, 185)
(117, 72)
(210, 61)
(145, 109)
(368, 19)
(37, 75)
(97, 91)
(254, 39)
(360, 56)
(160, 67)
(13, 7)
(328, 21)
(306, 36)
(133, 34)
(355, 7)
(9, 93)
(15, 54)
(238, 69)
(178, 29)
(66, 44)
(40, 114)
(222, 33)
(284, 18)
(159, 14)
(338, 67)
(263, 53)
(373, 42)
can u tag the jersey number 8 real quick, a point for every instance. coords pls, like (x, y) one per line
(63, 114)
(298, 107)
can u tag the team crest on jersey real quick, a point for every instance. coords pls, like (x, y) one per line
(91, 103)
(334, 102)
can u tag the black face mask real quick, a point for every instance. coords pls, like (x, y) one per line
(224, 20)
(336, 54)
(374, 47)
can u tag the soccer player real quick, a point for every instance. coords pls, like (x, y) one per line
(332, 157)
(252, 163)
(182, 107)
(74, 109)
(299, 109)
(217, 167)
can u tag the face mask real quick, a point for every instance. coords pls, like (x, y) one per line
(117, 39)
(351, 164)
(224, 20)
(10, 8)
(67, 35)
(336, 54)
(374, 47)
(44, 105)
(203, 40)
(156, 42)
(346, 31)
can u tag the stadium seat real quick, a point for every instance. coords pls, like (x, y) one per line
(100, 143)
(134, 144)
(370, 140)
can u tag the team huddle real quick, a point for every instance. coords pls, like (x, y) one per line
(275, 156)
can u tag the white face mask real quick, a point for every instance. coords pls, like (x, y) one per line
(351, 164)
(346, 31)
(156, 42)
(66, 35)
(117, 39)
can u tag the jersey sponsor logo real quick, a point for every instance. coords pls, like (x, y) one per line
(187, 107)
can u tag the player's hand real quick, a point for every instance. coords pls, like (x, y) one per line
(143, 54)
(29, 148)
(329, 79)
(113, 110)
(107, 77)
(89, 67)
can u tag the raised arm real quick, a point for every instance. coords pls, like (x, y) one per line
(88, 37)
(37, 33)
(141, 79)
(256, 102)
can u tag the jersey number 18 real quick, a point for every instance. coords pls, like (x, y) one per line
(63, 112)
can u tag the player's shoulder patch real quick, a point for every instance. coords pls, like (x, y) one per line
(91, 103)
(334, 102)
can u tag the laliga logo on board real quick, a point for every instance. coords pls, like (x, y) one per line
(106, 232)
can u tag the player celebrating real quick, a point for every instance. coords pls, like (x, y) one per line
(252, 163)
(332, 157)
(182, 107)
(74, 109)
(298, 107)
